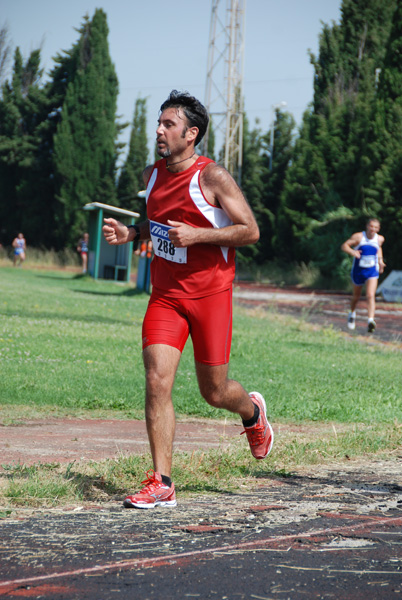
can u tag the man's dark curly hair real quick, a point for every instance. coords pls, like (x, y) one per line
(196, 113)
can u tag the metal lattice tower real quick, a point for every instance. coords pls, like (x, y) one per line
(224, 86)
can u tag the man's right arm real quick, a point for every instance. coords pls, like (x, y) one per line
(117, 233)
(352, 241)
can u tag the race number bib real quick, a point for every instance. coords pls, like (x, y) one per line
(163, 247)
(366, 262)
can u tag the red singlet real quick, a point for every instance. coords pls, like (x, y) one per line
(192, 287)
(199, 270)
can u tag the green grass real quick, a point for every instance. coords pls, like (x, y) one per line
(69, 344)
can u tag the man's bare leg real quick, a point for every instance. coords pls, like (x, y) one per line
(84, 262)
(161, 364)
(357, 291)
(221, 392)
(371, 288)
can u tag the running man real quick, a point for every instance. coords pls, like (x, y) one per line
(197, 215)
(368, 263)
(19, 245)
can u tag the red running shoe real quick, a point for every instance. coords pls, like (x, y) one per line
(155, 493)
(260, 436)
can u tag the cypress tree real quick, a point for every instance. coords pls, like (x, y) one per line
(23, 107)
(84, 143)
(130, 180)
(252, 186)
(261, 185)
(273, 180)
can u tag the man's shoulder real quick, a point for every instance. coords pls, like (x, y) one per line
(146, 174)
(203, 161)
(214, 173)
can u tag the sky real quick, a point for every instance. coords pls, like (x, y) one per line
(157, 46)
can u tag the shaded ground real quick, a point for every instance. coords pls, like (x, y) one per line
(326, 532)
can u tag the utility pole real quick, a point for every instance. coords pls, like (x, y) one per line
(224, 85)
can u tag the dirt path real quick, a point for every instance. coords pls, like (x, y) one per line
(65, 440)
(327, 309)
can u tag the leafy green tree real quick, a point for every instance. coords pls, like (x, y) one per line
(385, 157)
(325, 192)
(130, 180)
(251, 184)
(273, 180)
(263, 185)
(84, 144)
(23, 107)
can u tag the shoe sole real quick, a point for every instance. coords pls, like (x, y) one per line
(163, 503)
(264, 406)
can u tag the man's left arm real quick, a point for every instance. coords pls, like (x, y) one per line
(381, 263)
(221, 190)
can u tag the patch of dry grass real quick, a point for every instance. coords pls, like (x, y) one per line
(214, 471)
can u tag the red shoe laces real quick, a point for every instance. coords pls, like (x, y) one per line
(151, 482)
(255, 434)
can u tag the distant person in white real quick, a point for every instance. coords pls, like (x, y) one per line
(19, 245)
(368, 263)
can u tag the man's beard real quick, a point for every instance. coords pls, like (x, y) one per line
(163, 153)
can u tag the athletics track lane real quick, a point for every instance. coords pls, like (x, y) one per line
(334, 534)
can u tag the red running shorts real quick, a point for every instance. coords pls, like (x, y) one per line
(207, 320)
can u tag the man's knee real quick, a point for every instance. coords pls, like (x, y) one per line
(157, 384)
(211, 393)
(213, 398)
